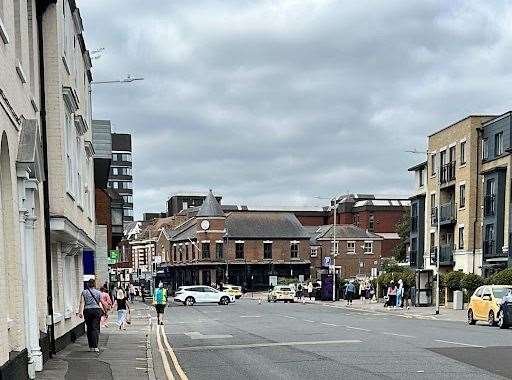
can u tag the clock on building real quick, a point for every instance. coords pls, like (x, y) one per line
(205, 224)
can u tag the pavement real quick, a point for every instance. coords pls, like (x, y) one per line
(123, 354)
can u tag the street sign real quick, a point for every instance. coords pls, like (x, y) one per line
(114, 254)
(327, 261)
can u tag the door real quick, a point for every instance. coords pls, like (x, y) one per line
(486, 303)
(198, 294)
(210, 294)
(476, 300)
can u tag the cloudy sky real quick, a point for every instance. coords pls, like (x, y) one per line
(276, 102)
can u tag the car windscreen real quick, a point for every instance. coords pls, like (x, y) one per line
(283, 289)
(500, 292)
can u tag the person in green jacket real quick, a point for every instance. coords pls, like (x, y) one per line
(160, 301)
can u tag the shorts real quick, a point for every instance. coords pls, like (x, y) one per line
(160, 308)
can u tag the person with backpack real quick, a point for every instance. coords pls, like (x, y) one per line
(160, 301)
(91, 309)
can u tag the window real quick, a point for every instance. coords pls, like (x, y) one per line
(433, 165)
(368, 247)
(479, 291)
(267, 250)
(314, 251)
(206, 250)
(127, 199)
(193, 251)
(116, 184)
(127, 212)
(180, 249)
(461, 237)
(186, 252)
(334, 248)
(498, 144)
(115, 171)
(114, 157)
(420, 178)
(485, 149)
(371, 222)
(351, 247)
(219, 248)
(462, 196)
(432, 239)
(239, 250)
(294, 250)
(126, 157)
(69, 134)
(452, 154)
(462, 152)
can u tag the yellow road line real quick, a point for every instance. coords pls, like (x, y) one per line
(161, 349)
(177, 366)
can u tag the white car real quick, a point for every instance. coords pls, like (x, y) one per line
(189, 295)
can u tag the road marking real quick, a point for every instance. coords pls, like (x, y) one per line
(141, 359)
(287, 316)
(250, 316)
(173, 357)
(357, 328)
(308, 320)
(167, 367)
(329, 324)
(259, 345)
(197, 335)
(402, 335)
(141, 369)
(458, 343)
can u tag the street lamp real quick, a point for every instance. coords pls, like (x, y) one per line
(438, 222)
(128, 79)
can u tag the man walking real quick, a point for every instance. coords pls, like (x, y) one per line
(160, 301)
(132, 292)
(349, 292)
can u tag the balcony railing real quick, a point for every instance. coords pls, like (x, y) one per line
(445, 255)
(413, 258)
(433, 215)
(489, 248)
(489, 205)
(448, 212)
(448, 172)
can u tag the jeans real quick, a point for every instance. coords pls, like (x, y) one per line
(92, 322)
(121, 317)
(349, 296)
(398, 300)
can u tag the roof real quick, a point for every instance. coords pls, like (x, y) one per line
(211, 207)
(264, 225)
(384, 202)
(348, 231)
(316, 232)
(417, 166)
(457, 122)
(389, 235)
(185, 231)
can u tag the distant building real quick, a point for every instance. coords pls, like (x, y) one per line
(121, 178)
(180, 201)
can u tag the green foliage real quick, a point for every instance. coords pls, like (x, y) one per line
(471, 282)
(503, 277)
(286, 280)
(453, 280)
(403, 228)
(404, 273)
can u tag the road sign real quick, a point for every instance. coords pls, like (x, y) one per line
(327, 261)
(114, 254)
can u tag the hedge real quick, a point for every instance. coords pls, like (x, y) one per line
(471, 282)
(453, 280)
(503, 277)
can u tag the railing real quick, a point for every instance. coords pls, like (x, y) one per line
(445, 255)
(448, 172)
(433, 215)
(448, 212)
(413, 258)
(489, 205)
(489, 248)
(414, 223)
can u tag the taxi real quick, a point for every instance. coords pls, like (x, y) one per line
(281, 293)
(233, 290)
(485, 305)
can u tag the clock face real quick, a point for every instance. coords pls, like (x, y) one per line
(205, 224)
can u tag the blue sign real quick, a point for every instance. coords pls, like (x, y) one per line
(327, 262)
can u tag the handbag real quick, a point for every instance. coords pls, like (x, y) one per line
(97, 302)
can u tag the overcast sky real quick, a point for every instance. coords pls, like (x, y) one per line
(276, 102)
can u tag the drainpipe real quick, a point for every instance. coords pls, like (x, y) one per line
(478, 135)
(41, 7)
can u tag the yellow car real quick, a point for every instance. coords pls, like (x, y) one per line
(485, 304)
(233, 290)
(281, 293)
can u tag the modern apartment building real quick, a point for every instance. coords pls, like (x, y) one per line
(121, 178)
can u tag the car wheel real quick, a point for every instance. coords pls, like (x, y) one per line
(491, 321)
(471, 319)
(224, 301)
(501, 321)
(190, 301)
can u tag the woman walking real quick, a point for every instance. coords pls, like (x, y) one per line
(392, 295)
(122, 308)
(106, 301)
(91, 310)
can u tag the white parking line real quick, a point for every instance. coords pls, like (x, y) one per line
(458, 343)
(308, 320)
(357, 328)
(250, 316)
(287, 316)
(401, 335)
(260, 345)
(329, 324)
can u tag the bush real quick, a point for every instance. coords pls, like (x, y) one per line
(453, 280)
(503, 277)
(471, 282)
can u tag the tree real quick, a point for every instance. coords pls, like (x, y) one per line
(453, 280)
(403, 228)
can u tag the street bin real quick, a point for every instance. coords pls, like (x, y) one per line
(458, 300)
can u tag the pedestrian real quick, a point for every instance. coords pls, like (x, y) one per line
(392, 295)
(310, 290)
(160, 301)
(106, 301)
(372, 292)
(350, 290)
(132, 292)
(407, 296)
(299, 292)
(91, 310)
(399, 294)
(123, 308)
(506, 302)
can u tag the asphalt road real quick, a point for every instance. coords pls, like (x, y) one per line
(246, 340)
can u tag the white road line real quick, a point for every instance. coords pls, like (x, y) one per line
(357, 328)
(329, 324)
(310, 321)
(287, 316)
(402, 335)
(167, 367)
(258, 345)
(177, 366)
(250, 316)
(458, 343)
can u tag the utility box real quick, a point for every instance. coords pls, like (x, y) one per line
(458, 300)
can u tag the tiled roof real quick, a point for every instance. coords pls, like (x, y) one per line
(210, 207)
(348, 231)
(264, 225)
(185, 231)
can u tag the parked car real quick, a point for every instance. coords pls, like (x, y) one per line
(233, 290)
(189, 295)
(485, 305)
(281, 293)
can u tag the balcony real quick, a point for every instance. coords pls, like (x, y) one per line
(433, 216)
(413, 258)
(489, 205)
(447, 173)
(448, 213)
(488, 249)
(445, 257)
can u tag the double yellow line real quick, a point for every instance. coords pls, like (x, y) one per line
(160, 335)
